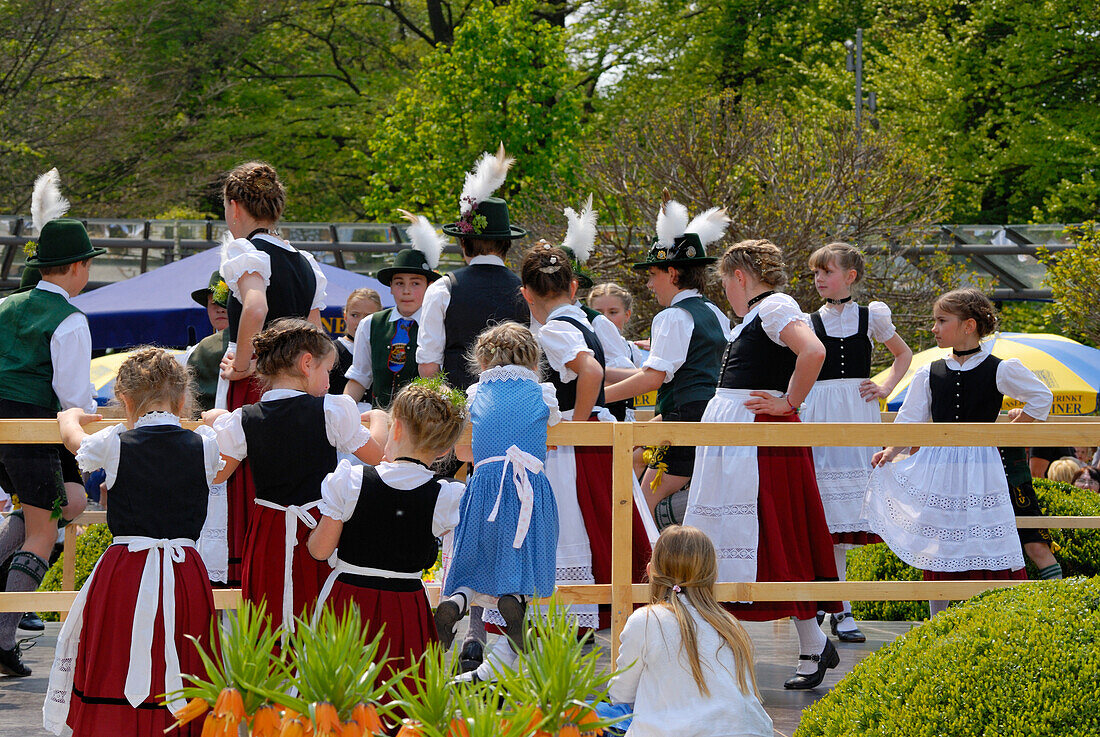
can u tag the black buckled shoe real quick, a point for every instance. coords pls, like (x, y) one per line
(11, 663)
(829, 658)
(513, 611)
(473, 652)
(846, 636)
(32, 623)
(447, 615)
(820, 618)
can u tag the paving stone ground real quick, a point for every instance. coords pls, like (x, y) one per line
(776, 653)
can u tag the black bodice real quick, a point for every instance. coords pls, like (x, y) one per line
(567, 391)
(845, 358)
(965, 396)
(160, 490)
(288, 448)
(755, 361)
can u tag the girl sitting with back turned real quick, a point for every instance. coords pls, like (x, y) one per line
(687, 663)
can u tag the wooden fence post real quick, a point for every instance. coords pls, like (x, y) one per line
(622, 509)
(68, 567)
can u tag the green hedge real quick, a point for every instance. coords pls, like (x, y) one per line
(1023, 661)
(89, 547)
(1077, 550)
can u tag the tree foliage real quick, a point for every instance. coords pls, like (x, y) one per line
(1074, 278)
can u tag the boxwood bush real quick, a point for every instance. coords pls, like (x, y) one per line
(1077, 550)
(1023, 661)
(89, 547)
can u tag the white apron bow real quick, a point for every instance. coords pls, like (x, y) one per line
(340, 566)
(292, 515)
(158, 581)
(523, 464)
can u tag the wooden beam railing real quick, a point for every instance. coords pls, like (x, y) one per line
(623, 437)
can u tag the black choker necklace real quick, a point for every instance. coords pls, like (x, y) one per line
(970, 352)
(759, 297)
(839, 301)
(412, 460)
(257, 231)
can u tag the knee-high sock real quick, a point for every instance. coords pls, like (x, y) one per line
(811, 641)
(26, 572)
(935, 606)
(501, 657)
(840, 554)
(476, 628)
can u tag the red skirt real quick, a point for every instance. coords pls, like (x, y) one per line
(855, 538)
(407, 618)
(795, 543)
(98, 705)
(1004, 574)
(594, 472)
(240, 490)
(262, 571)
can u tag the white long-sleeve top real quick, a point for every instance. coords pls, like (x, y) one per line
(660, 685)
(71, 357)
(1013, 380)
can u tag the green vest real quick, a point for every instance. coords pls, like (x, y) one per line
(386, 382)
(697, 378)
(205, 364)
(27, 323)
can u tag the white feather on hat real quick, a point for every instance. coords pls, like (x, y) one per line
(46, 202)
(710, 225)
(424, 237)
(672, 221)
(580, 235)
(487, 176)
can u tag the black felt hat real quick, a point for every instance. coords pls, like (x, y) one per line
(407, 261)
(686, 250)
(487, 221)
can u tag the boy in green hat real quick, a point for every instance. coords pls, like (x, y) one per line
(204, 359)
(45, 367)
(687, 338)
(384, 349)
(459, 307)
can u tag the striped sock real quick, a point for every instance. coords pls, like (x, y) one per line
(1050, 572)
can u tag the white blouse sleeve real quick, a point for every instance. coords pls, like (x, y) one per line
(631, 660)
(230, 433)
(880, 323)
(343, 424)
(562, 342)
(321, 290)
(471, 392)
(777, 312)
(240, 257)
(550, 396)
(211, 452)
(1018, 381)
(447, 506)
(101, 451)
(340, 491)
(670, 334)
(917, 406)
(431, 334)
(615, 352)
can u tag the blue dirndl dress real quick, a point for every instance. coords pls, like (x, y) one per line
(507, 535)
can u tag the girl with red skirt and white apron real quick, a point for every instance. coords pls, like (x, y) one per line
(267, 279)
(290, 439)
(760, 506)
(384, 523)
(126, 640)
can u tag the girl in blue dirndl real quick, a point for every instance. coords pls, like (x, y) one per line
(504, 550)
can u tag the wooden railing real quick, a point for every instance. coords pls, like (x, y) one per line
(623, 437)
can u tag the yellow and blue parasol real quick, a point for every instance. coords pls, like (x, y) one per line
(1070, 369)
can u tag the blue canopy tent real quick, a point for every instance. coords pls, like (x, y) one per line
(156, 307)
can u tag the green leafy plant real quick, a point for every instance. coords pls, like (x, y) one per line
(90, 546)
(1077, 550)
(1022, 661)
(878, 563)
